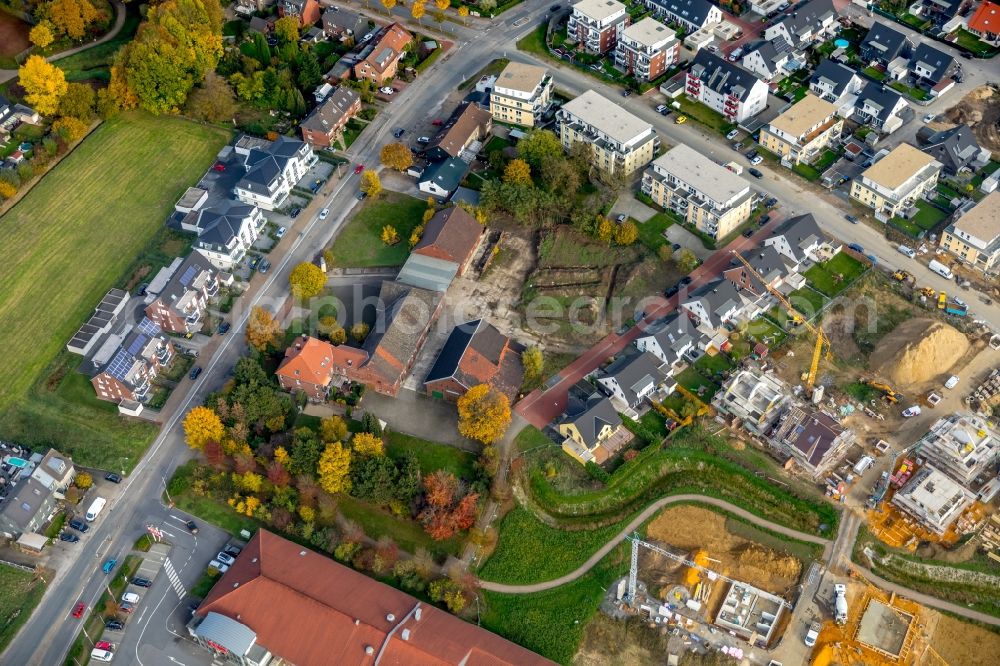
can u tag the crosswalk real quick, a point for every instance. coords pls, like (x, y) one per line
(175, 581)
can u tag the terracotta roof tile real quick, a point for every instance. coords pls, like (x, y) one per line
(309, 360)
(986, 18)
(452, 234)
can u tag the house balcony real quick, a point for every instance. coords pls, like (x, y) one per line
(163, 355)
(193, 318)
(212, 287)
(142, 390)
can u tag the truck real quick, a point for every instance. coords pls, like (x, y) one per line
(840, 603)
(734, 167)
(957, 309)
(95, 509)
(940, 269)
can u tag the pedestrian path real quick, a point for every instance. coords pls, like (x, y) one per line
(175, 581)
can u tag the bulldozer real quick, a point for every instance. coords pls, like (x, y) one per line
(901, 276)
(888, 393)
(929, 292)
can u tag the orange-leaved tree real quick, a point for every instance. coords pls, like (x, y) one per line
(483, 414)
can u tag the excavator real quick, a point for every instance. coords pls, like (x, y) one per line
(682, 421)
(798, 319)
(888, 393)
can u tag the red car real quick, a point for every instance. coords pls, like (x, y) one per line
(104, 645)
(78, 609)
(219, 166)
(359, 168)
(437, 123)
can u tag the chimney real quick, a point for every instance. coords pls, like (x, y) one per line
(416, 613)
(390, 618)
(369, 650)
(406, 634)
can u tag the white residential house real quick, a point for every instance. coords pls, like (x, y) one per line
(808, 23)
(692, 15)
(801, 241)
(736, 93)
(597, 24)
(769, 60)
(631, 379)
(671, 340)
(837, 84)
(882, 108)
(272, 170)
(225, 232)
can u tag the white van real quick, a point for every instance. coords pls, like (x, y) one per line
(95, 509)
(908, 251)
(940, 269)
(130, 598)
(101, 655)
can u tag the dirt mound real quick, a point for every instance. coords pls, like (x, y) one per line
(919, 350)
(980, 109)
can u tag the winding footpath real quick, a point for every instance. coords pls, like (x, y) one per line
(640, 519)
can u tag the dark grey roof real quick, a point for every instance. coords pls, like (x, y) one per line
(446, 174)
(884, 41)
(767, 262)
(723, 77)
(881, 96)
(344, 20)
(264, 164)
(809, 15)
(954, 148)
(772, 51)
(635, 371)
(835, 73)
(181, 280)
(590, 416)
(219, 225)
(673, 334)
(931, 59)
(695, 11)
(332, 111)
(478, 335)
(21, 508)
(718, 298)
(801, 231)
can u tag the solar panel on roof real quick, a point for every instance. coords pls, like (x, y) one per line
(148, 327)
(137, 344)
(189, 274)
(120, 365)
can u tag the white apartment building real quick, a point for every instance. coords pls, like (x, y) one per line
(975, 236)
(802, 132)
(621, 142)
(893, 185)
(272, 169)
(647, 49)
(725, 87)
(707, 195)
(597, 24)
(226, 232)
(521, 94)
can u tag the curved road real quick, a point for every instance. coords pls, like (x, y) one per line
(638, 520)
(8, 74)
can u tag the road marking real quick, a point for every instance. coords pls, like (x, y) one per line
(175, 661)
(175, 581)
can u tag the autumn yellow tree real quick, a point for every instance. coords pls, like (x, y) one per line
(371, 184)
(71, 17)
(286, 29)
(7, 189)
(442, 4)
(389, 235)
(332, 429)
(41, 35)
(83, 480)
(533, 363)
(418, 233)
(483, 414)
(202, 425)
(307, 280)
(70, 128)
(334, 468)
(605, 229)
(360, 331)
(626, 233)
(517, 173)
(388, 4)
(396, 156)
(367, 444)
(463, 11)
(44, 84)
(417, 10)
(262, 329)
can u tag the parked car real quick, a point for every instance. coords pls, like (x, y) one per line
(280, 233)
(684, 281)
(660, 108)
(755, 173)
(362, 195)
(324, 213)
(218, 566)
(910, 412)
(680, 120)
(732, 134)
(437, 123)
(712, 48)
(952, 381)
(195, 371)
(219, 166)
(109, 565)
(386, 90)
(142, 582)
(771, 203)
(126, 607)
(191, 526)
(224, 326)
(232, 549)
(423, 140)
(907, 251)
(621, 218)
(112, 477)
(738, 146)
(130, 598)
(748, 233)
(359, 168)
(104, 645)
(555, 8)
(764, 220)
(929, 118)
(295, 212)
(665, 111)
(857, 248)
(101, 655)
(114, 625)
(851, 219)
(69, 537)
(78, 609)
(264, 267)
(252, 264)
(398, 132)
(225, 557)
(79, 525)
(626, 92)
(675, 247)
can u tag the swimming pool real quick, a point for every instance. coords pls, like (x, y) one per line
(841, 43)
(16, 462)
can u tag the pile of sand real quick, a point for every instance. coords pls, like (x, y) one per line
(919, 350)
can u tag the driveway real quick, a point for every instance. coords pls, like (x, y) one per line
(681, 236)
(627, 204)
(416, 414)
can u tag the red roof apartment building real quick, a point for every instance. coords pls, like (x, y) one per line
(324, 125)
(381, 59)
(180, 306)
(597, 24)
(475, 353)
(282, 603)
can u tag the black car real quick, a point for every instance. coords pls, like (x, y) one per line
(966, 55)
(69, 537)
(114, 625)
(113, 478)
(851, 219)
(224, 328)
(399, 132)
(764, 220)
(142, 582)
(671, 291)
(79, 525)
(232, 550)
(626, 92)
(555, 8)
(192, 526)
(685, 281)
(362, 195)
(771, 203)
(755, 173)
(195, 371)
(295, 212)
(748, 233)
(675, 247)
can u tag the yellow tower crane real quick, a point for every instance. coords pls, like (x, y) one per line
(798, 318)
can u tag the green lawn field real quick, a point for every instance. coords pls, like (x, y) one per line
(84, 228)
(20, 592)
(359, 243)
